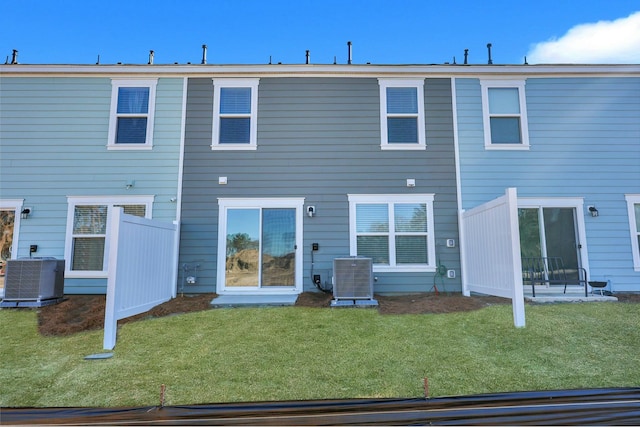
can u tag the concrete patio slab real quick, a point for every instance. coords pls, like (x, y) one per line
(253, 300)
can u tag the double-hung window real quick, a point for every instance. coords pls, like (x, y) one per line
(132, 113)
(402, 114)
(504, 114)
(235, 114)
(396, 231)
(87, 245)
(633, 205)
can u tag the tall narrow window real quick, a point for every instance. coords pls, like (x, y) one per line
(88, 230)
(132, 111)
(504, 114)
(395, 231)
(402, 114)
(633, 204)
(235, 105)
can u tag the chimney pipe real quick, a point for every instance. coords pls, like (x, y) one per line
(204, 54)
(307, 57)
(150, 58)
(349, 53)
(466, 54)
(14, 57)
(489, 49)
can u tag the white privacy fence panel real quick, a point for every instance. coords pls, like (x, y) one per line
(492, 251)
(142, 268)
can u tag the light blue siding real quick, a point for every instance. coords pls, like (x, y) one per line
(585, 142)
(53, 144)
(318, 138)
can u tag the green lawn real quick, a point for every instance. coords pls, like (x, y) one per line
(255, 354)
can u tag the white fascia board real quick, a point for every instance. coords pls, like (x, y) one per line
(312, 70)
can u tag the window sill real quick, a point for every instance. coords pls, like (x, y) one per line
(403, 269)
(86, 275)
(502, 147)
(405, 147)
(129, 147)
(234, 147)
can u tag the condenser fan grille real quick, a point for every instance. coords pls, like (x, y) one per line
(353, 278)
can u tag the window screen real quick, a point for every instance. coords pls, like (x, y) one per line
(132, 111)
(402, 110)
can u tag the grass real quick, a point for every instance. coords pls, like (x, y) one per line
(257, 354)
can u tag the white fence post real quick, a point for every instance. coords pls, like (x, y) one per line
(110, 318)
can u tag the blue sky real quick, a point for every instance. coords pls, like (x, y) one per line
(382, 32)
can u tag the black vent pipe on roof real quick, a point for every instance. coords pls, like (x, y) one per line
(307, 57)
(349, 53)
(204, 54)
(466, 55)
(14, 57)
(489, 51)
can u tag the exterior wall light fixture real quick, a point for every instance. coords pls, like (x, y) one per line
(593, 211)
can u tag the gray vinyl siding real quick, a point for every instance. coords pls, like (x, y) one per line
(53, 144)
(318, 138)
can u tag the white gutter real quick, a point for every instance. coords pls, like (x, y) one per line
(183, 125)
(461, 234)
(314, 70)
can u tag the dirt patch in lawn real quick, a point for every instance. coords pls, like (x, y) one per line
(86, 312)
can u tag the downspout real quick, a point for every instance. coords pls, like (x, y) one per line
(178, 220)
(456, 147)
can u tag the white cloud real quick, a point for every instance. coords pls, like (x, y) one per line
(603, 42)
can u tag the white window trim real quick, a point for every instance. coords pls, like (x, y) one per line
(253, 125)
(485, 85)
(72, 202)
(419, 85)
(113, 117)
(16, 206)
(224, 204)
(387, 199)
(633, 199)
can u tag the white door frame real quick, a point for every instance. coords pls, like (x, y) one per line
(224, 204)
(16, 206)
(576, 203)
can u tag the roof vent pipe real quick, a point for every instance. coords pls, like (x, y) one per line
(489, 50)
(204, 54)
(349, 53)
(14, 57)
(150, 58)
(466, 55)
(307, 57)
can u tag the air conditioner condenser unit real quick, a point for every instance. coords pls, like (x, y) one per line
(33, 282)
(353, 282)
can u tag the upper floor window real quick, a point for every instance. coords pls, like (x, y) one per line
(396, 231)
(235, 114)
(633, 204)
(87, 243)
(504, 111)
(402, 114)
(132, 113)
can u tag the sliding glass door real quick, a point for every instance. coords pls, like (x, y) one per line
(260, 246)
